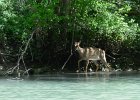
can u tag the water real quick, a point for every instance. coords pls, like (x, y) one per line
(100, 86)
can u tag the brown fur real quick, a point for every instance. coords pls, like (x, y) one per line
(90, 53)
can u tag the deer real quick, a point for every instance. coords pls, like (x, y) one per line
(90, 54)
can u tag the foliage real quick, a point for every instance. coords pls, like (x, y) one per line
(108, 24)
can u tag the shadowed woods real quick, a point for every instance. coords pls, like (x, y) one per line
(111, 26)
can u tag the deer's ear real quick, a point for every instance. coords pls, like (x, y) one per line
(75, 42)
(79, 42)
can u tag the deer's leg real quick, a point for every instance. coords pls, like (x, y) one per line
(106, 64)
(97, 65)
(79, 65)
(87, 66)
(103, 59)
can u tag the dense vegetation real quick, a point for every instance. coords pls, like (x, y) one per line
(112, 25)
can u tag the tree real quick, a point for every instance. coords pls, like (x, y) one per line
(108, 24)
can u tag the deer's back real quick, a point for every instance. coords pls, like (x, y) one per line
(90, 53)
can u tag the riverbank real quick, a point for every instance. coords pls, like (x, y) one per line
(42, 71)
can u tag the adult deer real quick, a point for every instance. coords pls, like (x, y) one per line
(90, 53)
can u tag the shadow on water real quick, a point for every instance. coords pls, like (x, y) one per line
(93, 76)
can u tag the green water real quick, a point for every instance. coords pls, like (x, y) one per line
(100, 86)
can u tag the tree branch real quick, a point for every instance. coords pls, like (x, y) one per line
(17, 67)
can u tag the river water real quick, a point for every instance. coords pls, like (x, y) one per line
(72, 86)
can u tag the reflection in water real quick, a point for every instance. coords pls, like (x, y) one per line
(73, 86)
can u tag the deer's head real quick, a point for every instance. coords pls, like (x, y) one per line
(77, 45)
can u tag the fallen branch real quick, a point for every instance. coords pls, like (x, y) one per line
(69, 55)
(66, 61)
(17, 67)
(9, 54)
